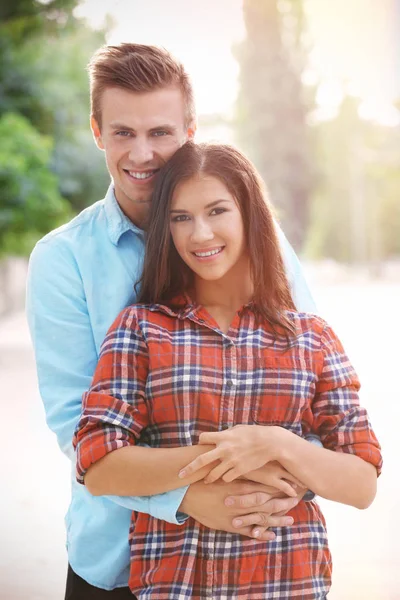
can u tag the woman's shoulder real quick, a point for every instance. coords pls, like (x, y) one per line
(306, 320)
(309, 326)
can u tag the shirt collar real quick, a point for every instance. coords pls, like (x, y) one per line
(117, 222)
(183, 306)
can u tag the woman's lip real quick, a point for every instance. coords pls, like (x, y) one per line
(211, 256)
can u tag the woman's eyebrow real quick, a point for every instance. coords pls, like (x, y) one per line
(210, 205)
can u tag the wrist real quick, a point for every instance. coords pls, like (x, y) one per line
(282, 441)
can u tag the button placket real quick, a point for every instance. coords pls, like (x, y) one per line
(229, 385)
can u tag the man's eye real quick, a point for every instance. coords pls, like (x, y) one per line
(180, 218)
(160, 133)
(123, 133)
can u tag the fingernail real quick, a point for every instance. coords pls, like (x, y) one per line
(229, 502)
(237, 522)
(181, 474)
(289, 521)
(256, 533)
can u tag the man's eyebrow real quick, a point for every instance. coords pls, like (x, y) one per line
(167, 126)
(210, 205)
(121, 126)
(164, 126)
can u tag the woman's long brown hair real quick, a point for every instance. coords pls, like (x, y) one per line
(165, 275)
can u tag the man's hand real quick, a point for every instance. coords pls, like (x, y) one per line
(276, 506)
(220, 505)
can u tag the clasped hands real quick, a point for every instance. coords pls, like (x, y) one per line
(249, 452)
(241, 451)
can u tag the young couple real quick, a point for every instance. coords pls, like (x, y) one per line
(192, 434)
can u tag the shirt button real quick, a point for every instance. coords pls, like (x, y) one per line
(224, 426)
(230, 383)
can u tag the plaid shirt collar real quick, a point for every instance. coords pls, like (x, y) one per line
(184, 307)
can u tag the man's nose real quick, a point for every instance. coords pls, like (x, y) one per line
(202, 232)
(141, 152)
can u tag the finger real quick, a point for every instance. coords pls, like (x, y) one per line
(251, 500)
(198, 463)
(231, 475)
(263, 534)
(261, 518)
(285, 487)
(289, 477)
(217, 472)
(210, 437)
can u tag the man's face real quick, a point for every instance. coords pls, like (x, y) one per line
(139, 133)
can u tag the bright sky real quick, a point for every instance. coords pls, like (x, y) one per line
(198, 32)
(354, 40)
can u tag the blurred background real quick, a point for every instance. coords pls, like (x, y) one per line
(310, 90)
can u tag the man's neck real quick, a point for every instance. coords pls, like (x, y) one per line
(137, 212)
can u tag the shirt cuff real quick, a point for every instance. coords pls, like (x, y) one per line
(313, 439)
(166, 506)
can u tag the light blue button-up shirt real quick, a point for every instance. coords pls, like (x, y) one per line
(80, 277)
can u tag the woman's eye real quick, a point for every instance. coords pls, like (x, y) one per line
(180, 218)
(217, 211)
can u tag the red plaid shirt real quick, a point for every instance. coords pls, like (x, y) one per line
(163, 377)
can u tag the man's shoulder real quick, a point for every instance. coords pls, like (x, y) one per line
(89, 220)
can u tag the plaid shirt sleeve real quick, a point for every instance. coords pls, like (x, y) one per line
(339, 420)
(114, 409)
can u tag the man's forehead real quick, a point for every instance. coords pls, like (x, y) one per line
(150, 109)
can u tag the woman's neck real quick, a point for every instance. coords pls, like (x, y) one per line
(229, 293)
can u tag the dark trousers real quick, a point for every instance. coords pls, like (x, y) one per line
(78, 589)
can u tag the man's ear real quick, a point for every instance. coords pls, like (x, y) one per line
(96, 132)
(191, 130)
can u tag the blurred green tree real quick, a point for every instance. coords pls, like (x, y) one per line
(272, 108)
(355, 215)
(44, 50)
(31, 202)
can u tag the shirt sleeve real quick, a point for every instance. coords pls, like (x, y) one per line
(342, 424)
(300, 291)
(66, 356)
(115, 410)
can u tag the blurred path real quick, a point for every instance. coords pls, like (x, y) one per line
(365, 544)
(33, 559)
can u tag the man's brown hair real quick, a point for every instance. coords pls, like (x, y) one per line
(137, 68)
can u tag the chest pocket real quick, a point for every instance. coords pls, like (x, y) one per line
(283, 392)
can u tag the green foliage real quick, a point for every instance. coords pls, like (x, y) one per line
(30, 201)
(43, 55)
(355, 214)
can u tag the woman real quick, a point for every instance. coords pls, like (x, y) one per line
(218, 373)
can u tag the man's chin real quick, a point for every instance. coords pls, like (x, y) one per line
(140, 198)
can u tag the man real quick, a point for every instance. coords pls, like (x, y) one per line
(82, 274)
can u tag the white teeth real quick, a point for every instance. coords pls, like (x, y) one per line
(141, 175)
(210, 253)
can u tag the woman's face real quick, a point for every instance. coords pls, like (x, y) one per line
(207, 228)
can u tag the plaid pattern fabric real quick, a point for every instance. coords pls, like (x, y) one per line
(166, 375)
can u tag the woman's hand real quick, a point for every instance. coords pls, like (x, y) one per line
(274, 476)
(241, 449)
